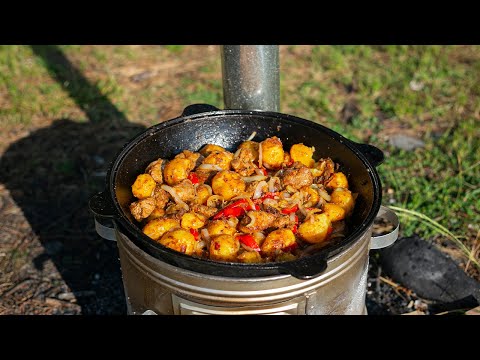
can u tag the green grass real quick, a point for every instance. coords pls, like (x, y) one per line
(440, 181)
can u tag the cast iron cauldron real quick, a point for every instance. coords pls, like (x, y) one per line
(202, 124)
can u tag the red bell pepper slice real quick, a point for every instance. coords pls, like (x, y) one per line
(235, 209)
(195, 234)
(193, 178)
(264, 171)
(293, 209)
(249, 240)
(295, 227)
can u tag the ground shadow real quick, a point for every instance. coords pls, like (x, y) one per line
(52, 173)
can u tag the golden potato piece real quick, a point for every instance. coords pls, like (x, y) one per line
(278, 240)
(191, 220)
(272, 153)
(154, 229)
(154, 169)
(303, 154)
(192, 156)
(310, 196)
(252, 146)
(220, 227)
(179, 240)
(249, 257)
(176, 170)
(317, 230)
(219, 158)
(224, 248)
(227, 184)
(203, 193)
(143, 186)
(338, 180)
(334, 212)
(344, 198)
(209, 148)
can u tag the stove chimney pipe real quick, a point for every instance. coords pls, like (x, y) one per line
(251, 77)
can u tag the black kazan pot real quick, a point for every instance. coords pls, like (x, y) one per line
(162, 281)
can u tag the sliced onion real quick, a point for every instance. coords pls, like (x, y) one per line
(209, 188)
(212, 201)
(259, 171)
(271, 183)
(205, 234)
(251, 215)
(209, 167)
(292, 217)
(260, 155)
(254, 178)
(259, 236)
(285, 195)
(270, 202)
(302, 209)
(237, 153)
(232, 221)
(251, 136)
(258, 190)
(175, 196)
(323, 193)
(251, 203)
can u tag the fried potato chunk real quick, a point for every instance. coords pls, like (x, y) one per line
(315, 229)
(249, 257)
(157, 213)
(209, 148)
(338, 180)
(310, 196)
(154, 229)
(192, 220)
(176, 170)
(303, 154)
(278, 240)
(272, 153)
(143, 186)
(222, 159)
(344, 198)
(224, 247)
(179, 240)
(220, 227)
(203, 193)
(334, 212)
(228, 184)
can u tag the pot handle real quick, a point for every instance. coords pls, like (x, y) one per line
(373, 154)
(102, 208)
(381, 241)
(198, 108)
(305, 268)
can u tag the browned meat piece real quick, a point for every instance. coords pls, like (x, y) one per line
(283, 221)
(323, 171)
(204, 210)
(298, 178)
(205, 176)
(155, 170)
(243, 163)
(161, 197)
(141, 209)
(194, 157)
(185, 190)
(256, 221)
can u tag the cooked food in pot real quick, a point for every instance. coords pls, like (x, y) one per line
(261, 203)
